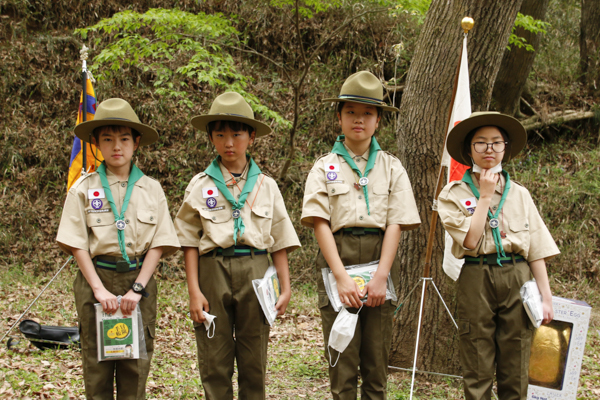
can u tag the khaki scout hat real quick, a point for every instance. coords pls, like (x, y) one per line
(362, 87)
(116, 112)
(230, 106)
(517, 135)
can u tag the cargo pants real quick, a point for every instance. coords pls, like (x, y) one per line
(370, 347)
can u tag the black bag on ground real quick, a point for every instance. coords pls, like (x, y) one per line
(49, 337)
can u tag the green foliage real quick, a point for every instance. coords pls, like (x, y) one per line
(416, 8)
(180, 51)
(308, 8)
(530, 24)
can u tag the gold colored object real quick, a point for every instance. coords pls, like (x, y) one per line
(549, 350)
(467, 24)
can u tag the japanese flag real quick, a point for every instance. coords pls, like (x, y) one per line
(209, 192)
(332, 167)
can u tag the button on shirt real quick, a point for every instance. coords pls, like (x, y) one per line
(148, 223)
(526, 233)
(267, 224)
(391, 199)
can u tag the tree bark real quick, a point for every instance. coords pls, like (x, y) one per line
(423, 123)
(589, 45)
(517, 62)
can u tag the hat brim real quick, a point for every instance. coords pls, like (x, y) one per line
(517, 135)
(381, 105)
(201, 122)
(85, 129)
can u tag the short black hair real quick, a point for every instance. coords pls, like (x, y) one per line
(341, 105)
(471, 134)
(235, 126)
(115, 128)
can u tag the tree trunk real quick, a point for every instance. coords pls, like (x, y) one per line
(517, 62)
(424, 118)
(589, 45)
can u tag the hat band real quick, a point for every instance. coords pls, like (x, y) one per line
(233, 115)
(368, 99)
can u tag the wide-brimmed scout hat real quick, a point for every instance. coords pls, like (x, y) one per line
(230, 106)
(116, 112)
(517, 135)
(362, 87)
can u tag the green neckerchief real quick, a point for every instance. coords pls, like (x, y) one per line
(339, 148)
(134, 176)
(495, 231)
(214, 171)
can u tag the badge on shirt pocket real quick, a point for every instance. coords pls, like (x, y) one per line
(209, 192)
(331, 172)
(469, 204)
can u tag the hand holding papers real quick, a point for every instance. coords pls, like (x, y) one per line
(268, 290)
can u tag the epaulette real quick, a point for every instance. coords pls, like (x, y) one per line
(151, 177)
(79, 180)
(267, 174)
(321, 156)
(391, 154)
(517, 182)
(448, 187)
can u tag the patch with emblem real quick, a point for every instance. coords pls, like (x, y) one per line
(211, 202)
(95, 194)
(332, 176)
(210, 192)
(332, 167)
(97, 204)
(470, 210)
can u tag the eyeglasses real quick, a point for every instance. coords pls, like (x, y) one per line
(482, 147)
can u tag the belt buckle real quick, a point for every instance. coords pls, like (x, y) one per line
(358, 231)
(229, 251)
(492, 261)
(122, 266)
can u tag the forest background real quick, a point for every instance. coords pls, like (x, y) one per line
(171, 58)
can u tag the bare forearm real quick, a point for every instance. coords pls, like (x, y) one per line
(86, 266)
(328, 247)
(477, 223)
(190, 256)
(149, 266)
(280, 260)
(538, 269)
(389, 249)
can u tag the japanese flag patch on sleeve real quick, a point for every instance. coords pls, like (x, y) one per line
(95, 194)
(209, 192)
(469, 204)
(332, 168)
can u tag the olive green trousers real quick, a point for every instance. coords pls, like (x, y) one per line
(369, 349)
(495, 331)
(130, 375)
(241, 330)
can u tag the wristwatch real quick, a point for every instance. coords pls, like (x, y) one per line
(139, 289)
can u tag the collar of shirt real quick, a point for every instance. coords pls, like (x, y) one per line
(113, 180)
(358, 159)
(229, 179)
(499, 186)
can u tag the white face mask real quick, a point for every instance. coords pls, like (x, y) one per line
(342, 332)
(494, 170)
(210, 320)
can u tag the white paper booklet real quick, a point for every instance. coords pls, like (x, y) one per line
(268, 290)
(532, 301)
(361, 274)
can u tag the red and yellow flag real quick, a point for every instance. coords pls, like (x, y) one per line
(76, 163)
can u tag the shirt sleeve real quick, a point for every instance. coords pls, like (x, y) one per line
(541, 243)
(402, 208)
(165, 235)
(73, 231)
(282, 229)
(316, 200)
(188, 223)
(455, 222)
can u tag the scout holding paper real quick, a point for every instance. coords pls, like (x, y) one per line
(116, 223)
(232, 216)
(358, 199)
(498, 231)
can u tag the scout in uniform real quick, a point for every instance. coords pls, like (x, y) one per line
(231, 218)
(498, 231)
(358, 199)
(116, 224)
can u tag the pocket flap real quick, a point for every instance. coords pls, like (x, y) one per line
(381, 189)
(518, 225)
(323, 300)
(151, 331)
(147, 216)
(100, 219)
(217, 217)
(464, 326)
(263, 211)
(337, 189)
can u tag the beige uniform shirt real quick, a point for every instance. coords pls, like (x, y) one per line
(267, 224)
(526, 233)
(88, 223)
(335, 198)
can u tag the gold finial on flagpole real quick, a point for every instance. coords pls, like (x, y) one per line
(467, 24)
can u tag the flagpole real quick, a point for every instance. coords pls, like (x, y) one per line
(84, 56)
(466, 24)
